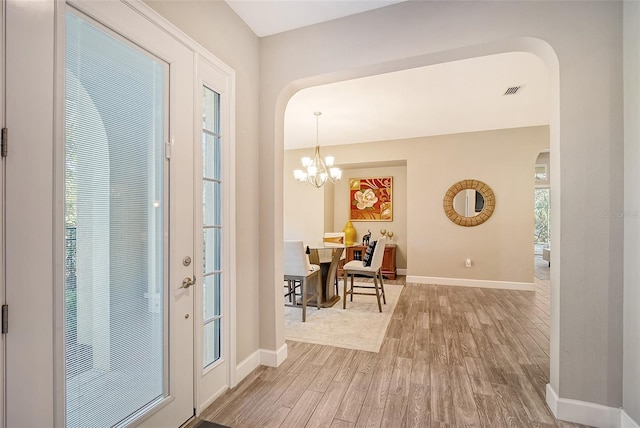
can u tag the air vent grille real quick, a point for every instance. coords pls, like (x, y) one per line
(512, 90)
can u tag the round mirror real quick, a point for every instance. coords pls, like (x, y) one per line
(469, 202)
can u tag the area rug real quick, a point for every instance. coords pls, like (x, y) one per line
(360, 326)
(207, 424)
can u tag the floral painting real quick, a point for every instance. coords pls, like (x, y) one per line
(371, 199)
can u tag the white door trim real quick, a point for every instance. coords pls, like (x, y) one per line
(3, 368)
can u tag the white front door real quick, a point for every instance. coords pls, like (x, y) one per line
(99, 215)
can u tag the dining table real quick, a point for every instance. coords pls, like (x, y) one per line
(327, 255)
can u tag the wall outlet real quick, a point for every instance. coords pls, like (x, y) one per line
(467, 263)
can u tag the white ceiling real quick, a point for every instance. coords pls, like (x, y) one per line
(267, 17)
(460, 96)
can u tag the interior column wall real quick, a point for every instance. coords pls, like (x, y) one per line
(631, 214)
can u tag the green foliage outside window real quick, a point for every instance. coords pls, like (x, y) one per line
(542, 217)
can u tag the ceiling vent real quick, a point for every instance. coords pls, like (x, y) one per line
(512, 90)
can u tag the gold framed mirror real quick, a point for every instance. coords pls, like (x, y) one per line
(469, 202)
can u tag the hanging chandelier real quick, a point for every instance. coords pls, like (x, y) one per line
(316, 170)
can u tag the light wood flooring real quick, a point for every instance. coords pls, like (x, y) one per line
(452, 356)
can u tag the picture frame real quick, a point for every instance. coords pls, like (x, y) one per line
(371, 199)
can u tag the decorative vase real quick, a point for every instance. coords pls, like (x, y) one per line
(349, 233)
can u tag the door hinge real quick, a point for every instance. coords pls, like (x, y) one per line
(5, 319)
(5, 142)
(167, 149)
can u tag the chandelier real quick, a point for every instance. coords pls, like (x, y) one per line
(317, 171)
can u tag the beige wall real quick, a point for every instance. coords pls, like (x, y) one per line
(429, 244)
(329, 206)
(586, 135)
(501, 249)
(303, 205)
(216, 27)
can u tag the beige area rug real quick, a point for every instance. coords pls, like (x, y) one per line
(360, 326)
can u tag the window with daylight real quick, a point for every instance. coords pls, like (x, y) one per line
(212, 227)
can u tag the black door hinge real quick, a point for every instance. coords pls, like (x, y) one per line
(4, 144)
(5, 319)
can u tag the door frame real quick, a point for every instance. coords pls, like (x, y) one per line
(3, 295)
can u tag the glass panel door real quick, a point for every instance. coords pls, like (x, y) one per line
(102, 110)
(214, 217)
(115, 215)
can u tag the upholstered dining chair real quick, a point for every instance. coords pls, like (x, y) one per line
(371, 265)
(298, 272)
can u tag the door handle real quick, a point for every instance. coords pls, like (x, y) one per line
(188, 282)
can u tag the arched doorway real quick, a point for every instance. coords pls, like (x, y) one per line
(538, 47)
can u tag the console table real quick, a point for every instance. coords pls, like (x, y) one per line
(356, 252)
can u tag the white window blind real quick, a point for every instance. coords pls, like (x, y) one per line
(115, 123)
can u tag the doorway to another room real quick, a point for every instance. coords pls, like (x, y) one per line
(542, 217)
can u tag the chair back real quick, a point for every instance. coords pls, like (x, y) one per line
(378, 253)
(296, 261)
(334, 239)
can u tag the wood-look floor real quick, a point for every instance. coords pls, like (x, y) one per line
(452, 356)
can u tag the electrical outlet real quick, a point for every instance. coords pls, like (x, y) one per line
(467, 263)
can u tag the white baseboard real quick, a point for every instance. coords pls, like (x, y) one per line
(247, 365)
(401, 271)
(481, 283)
(586, 413)
(260, 357)
(627, 422)
(211, 399)
(552, 400)
(273, 358)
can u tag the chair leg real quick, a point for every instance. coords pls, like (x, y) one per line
(352, 278)
(375, 284)
(345, 275)
(304, 300)
(384, 296)
(318, 290)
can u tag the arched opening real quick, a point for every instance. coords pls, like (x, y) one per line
(535, 46)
